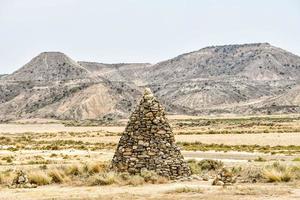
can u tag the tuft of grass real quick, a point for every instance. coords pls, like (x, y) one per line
(6, 177)
(278, 173)
(104, 179)
(152, 177)
(97, 167)
(58, 176)
(136, 180)
(74, 170)
(39, 178)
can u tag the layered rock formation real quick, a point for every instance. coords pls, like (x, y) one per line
(230, 79)
(148, 143)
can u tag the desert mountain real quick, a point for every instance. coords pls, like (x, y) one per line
(240, 79)
(228, 79)
(52, 85)
(121, 72)
(50, 67)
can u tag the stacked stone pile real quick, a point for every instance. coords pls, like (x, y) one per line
(148, 143)
(21, 181)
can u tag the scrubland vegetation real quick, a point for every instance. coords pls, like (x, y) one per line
(198, 146)
(274, 124)
(88, 174)
(81, 159)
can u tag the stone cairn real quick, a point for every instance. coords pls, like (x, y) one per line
(21, 181)
(148, 143)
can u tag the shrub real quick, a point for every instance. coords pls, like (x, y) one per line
(251, 174)
(208, 164)
(104, 179)
(204, 165)
(195, 168)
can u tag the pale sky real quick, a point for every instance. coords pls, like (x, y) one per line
(114, 31)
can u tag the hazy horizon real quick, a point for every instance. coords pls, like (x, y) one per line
(140, 31)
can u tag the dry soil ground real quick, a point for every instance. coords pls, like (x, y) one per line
(32, 144)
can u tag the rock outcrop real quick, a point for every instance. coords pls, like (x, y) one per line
(148, 143)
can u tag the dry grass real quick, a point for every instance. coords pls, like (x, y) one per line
(253, 125)
(186, 190)
(136, 180)
(197, 167)
(198, 146)
(58, 176)
(126, 179)
(92, 173)
(96, 167)
(39, 178)
(280, 173)
(6, 177)
(104, 179)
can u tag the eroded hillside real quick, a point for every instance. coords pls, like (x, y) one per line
(238, 79)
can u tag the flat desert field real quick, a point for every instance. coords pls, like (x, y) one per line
(70, 159)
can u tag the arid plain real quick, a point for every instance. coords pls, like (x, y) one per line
(70, 159)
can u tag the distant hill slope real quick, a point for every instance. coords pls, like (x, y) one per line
(49, 66)
(52, 85)
(240, 79)
(227, 79)
(260, 62)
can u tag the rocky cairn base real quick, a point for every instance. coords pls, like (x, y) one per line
(21, 181)
(148, 143)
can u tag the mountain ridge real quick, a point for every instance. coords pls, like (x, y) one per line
(255, 78)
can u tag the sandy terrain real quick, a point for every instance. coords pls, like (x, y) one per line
(229, 158)
(164, 191)
(53, 128)
(272, 139)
